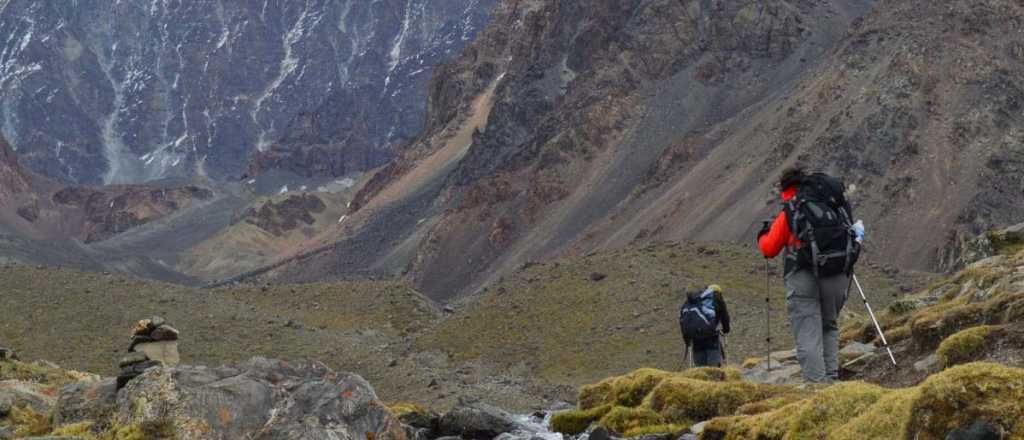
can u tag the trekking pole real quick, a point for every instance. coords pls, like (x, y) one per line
(864, 297)
(768, 315)
(686, 355)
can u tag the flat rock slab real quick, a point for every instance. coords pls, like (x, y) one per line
(780, 374)
(856, 349)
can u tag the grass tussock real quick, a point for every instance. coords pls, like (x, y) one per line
(28, 423)
(138, 431)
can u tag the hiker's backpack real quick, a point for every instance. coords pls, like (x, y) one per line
(822, 221)
(697, 317)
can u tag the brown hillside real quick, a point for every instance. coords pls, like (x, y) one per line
(624, 122)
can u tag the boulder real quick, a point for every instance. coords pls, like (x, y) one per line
(477, 421)
(13, 393)
(856, 349)
(261, 398)
(600, 433)
(83, 401)
(414, 433)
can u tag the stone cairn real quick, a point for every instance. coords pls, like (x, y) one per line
(154, 343)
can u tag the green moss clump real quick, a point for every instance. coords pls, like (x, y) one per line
(770, 425)
(897, 334)
(964, 345)
(672, 429)
(813, 417)
(711, 374)
(576, 421)
(967, 393)
(631, 389)
(771, 404)
(622, 419)
(831, 408)
(887, 418)
(680, 400)
(595, 395)
(931, 325)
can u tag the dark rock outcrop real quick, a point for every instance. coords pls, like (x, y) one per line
(289, 214)
(112, 210)
(476, 421)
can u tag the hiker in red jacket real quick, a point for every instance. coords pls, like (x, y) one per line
(813, 300)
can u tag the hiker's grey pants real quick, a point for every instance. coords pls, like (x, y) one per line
(711, 357)
(814, 317)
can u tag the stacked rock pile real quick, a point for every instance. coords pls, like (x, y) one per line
(154, 343)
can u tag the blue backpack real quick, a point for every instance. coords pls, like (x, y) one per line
(697, 317)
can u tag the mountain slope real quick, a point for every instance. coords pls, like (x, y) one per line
(122, 92)
(624, 122)
(13, 179)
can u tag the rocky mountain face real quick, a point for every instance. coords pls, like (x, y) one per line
(44, 221)
(121, 92)
(287, 215)
(621, 122)
(12, 178)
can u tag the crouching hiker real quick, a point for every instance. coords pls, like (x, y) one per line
(816, 230)
(699, 318)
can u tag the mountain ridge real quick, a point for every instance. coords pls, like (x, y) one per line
(677, 123)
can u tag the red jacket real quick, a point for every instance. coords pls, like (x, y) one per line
(779, 236)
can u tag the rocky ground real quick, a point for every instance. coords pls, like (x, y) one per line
(957, 341)
(525, 343)
(958, 348)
